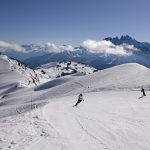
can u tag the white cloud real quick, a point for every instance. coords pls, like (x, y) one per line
(67, 48)
(108, 47)
(56, 48)
(130, 47)
(52, 47)
(10, 46)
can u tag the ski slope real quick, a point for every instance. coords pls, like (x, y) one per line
(114, 115)
(106, 120)
(123, 77)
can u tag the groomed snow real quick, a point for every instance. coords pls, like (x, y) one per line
(114, 115)
(105, 120)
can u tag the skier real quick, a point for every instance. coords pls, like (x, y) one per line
(143, 91)
(80, 99)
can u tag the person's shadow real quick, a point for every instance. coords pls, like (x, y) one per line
(141, 97)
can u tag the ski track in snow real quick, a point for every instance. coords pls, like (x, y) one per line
(103, 121)
(92, 135)
(84, 124)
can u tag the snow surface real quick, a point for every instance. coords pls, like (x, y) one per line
(45, 73)
(54, 70)
(25, 77)
(114, 115)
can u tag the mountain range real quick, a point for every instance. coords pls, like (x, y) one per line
(143, 46)
(135, 52)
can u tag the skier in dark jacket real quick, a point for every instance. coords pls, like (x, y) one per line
(143, 91)
(80, 99)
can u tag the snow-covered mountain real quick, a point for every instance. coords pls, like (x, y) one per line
(113, 116)
(42, 74)
(55, 69)
(19, 73)
(143, 46)
(99, 61)
(114, 78)
(139, 53)
(96, 54)
(123, 77)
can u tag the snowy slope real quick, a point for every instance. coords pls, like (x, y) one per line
(112, 120)
(124, 77)
(44, 73)
(127, 77)
(28, 77)
(114, 115)
(105, 121)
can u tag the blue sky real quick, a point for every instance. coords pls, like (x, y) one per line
(72, 21)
